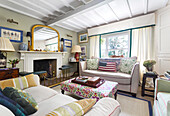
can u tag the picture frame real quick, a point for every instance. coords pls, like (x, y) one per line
(83, 50)
(68, 43)
(83, 38)
(12, 34)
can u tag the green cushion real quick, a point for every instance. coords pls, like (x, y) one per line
(25, 100)
(92, 64)
(127, 64)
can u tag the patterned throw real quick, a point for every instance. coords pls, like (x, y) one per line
(77, 108)
(20, 83)
(127, 64)
(107, 66)
(92, 64)
(25, 100)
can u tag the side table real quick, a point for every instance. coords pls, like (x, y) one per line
(146, 75)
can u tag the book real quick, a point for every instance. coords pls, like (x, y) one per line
(94, 79)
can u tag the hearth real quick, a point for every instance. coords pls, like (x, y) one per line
(48, 65)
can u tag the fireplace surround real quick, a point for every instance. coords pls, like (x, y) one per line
(28, 58)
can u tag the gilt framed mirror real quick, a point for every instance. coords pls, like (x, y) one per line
(45, 38)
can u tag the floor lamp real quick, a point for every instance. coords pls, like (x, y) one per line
(5, 46)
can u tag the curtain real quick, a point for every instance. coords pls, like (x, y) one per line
(143, 47)
(94, 47)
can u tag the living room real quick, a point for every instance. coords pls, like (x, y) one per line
(84, 57)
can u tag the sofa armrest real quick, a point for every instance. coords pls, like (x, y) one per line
(105, 107)
(82, 66)
(162, 85)
(135, 77)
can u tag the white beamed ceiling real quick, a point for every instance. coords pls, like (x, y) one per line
(51, 11)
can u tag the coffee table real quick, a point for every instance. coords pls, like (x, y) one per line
(108, 89)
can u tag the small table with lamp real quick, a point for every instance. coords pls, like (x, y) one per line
(76, 49)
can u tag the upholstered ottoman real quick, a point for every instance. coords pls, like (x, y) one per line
(108, 89)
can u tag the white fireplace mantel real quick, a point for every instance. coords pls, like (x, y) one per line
(29, 56)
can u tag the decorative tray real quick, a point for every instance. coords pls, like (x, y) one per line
(90, 84)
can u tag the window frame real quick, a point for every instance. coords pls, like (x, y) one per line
(106, 36)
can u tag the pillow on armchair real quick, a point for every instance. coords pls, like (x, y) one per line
(92, 64)
(126, 64)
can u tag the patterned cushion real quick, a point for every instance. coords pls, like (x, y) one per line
(20, 83)
(77, 108)
(107, 66)
(127, 64)
(12, 102)
(92, 64)
(25, 100)
(16, 111)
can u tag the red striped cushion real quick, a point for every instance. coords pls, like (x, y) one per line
(110, 66)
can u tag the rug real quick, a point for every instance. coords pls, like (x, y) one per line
(130, 106)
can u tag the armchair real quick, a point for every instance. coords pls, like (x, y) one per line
(162, 98)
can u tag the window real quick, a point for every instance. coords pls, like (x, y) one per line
(115, 44)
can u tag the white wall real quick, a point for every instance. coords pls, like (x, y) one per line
(162, 37)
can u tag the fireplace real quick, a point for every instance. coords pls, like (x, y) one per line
(48, 65)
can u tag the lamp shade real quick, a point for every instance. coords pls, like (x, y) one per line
(76, 48)
(6, 45)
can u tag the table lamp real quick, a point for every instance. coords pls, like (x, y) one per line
(76, 49)
(5, 46)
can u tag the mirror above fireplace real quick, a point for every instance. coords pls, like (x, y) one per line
(45, 38)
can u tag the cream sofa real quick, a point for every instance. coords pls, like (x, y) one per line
(127, 82)
(49, 99)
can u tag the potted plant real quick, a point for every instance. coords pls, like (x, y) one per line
(14, 62)
(149, 64)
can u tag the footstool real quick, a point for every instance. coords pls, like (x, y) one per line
(108, 89)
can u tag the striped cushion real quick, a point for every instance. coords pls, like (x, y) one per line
(164, 100)
(107, 66)
(20, 83)
(77, 108)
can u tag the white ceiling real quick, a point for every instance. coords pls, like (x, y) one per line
(77, 15)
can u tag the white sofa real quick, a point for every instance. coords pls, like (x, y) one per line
(127, 82)
(49, 99)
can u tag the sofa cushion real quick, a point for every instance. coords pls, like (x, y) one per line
(92, 64)
(25, 100)
(164, 102)
(127, 64)
(107, 66)
(12, 102)
(20, 83)
(11, 107)
(53, 103)
(41, 93)
(76, 108)
(119, 77)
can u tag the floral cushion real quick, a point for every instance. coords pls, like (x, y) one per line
(127, 64)
(92, 64)
(76, 108)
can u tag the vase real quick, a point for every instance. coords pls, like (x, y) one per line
(150, 68)
(13, 65)
(23, 46)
